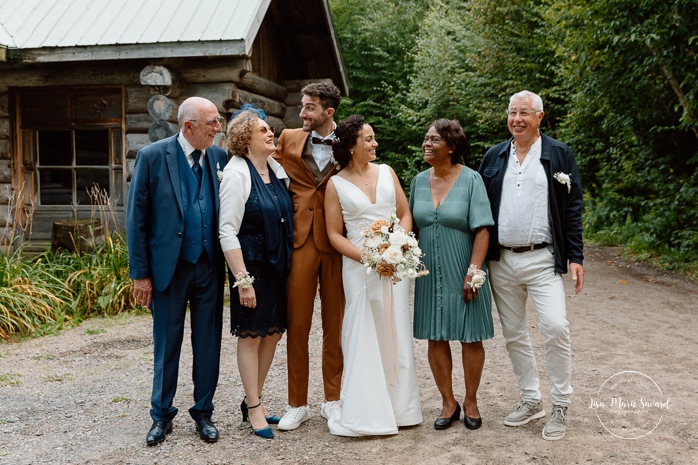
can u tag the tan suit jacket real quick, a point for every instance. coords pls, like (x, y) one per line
(307, 190)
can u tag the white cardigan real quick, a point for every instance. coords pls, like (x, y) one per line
(236, 184)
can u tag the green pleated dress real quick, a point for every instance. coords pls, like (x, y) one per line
(446, 238)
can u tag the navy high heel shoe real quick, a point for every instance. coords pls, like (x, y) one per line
(265, 433)
(271, 419)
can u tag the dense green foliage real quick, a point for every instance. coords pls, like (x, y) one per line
(617, 77)
(54, 289)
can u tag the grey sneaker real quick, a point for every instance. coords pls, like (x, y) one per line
(557, 425)
(523, 413)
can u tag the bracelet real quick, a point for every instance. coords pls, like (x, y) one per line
(478, 277)
(243, 280)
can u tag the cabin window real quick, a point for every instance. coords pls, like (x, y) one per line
(74, 141)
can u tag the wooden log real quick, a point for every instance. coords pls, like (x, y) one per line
(272, 107)
(156, 75)
(77, 235)
(217, 92)
(260, 86)
(293, 98)
(161, 108)
(4, 149)
(161, 80)
(137, 99)
(138, 122)
(5, 171)
(135, 142)
(4, 128)
(67, 74)
(5, 194)
(160, 130)
(277, 123)
(292, 118)
(198, 71)
(4, 105)
(298, 84)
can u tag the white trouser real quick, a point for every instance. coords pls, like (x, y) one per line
(513, 278)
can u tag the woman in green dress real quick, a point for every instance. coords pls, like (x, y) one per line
(451, 215)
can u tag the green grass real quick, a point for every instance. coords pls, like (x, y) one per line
(10, 379)
(59, 289)
(90, 332)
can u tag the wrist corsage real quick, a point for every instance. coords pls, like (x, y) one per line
(478, 277)
(243, 280)
(563, 178)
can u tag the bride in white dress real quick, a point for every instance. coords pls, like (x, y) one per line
(379, 386)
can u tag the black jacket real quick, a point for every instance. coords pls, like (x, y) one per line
(565, 207)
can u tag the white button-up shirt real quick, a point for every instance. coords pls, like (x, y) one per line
(524, 216)
(322, 152)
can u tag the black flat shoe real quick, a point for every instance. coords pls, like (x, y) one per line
(207, 430)
(445, 423)
(472, 423)
(158, 432)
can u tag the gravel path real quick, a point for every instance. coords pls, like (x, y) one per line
(82, 397)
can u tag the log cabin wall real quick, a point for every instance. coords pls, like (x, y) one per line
(152, 93)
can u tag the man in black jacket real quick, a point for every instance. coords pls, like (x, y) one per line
(536, 197)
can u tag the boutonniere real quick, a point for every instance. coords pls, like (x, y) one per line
(563, 178)
(219, 173)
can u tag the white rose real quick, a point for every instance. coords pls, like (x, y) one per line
(373, 241)
(398, 239)
(392, 255)
(411, 241)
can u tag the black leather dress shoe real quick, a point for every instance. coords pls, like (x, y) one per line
(158, 432)
(445, 423)
(472, 423)
(207, 430)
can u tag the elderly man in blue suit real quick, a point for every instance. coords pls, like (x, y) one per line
(175, 259)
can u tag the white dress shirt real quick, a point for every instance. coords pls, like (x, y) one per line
(188, 149)
(322, 152)
(524, 216)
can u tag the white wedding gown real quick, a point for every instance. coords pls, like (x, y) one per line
(374, 399)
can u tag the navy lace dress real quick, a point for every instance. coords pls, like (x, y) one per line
(269, 317)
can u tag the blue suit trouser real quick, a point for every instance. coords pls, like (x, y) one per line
(197, 285)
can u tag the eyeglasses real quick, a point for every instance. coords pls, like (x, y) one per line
(211, 122)
(264, 129)
(522, 113)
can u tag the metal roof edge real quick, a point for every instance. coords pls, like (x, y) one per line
(134, 51)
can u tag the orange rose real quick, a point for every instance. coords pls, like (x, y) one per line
(384, 269)
(383, 248)
(377, 225)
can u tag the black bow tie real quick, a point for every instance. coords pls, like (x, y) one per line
(320, 140)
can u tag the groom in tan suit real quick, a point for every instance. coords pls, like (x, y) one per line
(305, 155)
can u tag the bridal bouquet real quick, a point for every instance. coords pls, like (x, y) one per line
(390, 251)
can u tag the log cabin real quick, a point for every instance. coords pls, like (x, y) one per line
(85, 85)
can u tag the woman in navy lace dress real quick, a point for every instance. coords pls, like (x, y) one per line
(256, 234)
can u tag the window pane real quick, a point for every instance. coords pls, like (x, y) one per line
(86, 179)
(55, 148)
(92, 147)
(56, 186)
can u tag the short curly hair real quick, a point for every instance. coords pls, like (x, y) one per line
(347, 132)
(327, 92)
(453, 134)
(240, 130)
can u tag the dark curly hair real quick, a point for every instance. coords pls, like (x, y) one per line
(327, 92)
(347, 132)
(452, 133)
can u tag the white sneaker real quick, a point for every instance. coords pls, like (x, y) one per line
(329, 407)
(524, 412)
(293, 417)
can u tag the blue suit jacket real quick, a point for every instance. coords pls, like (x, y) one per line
(154, 213)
